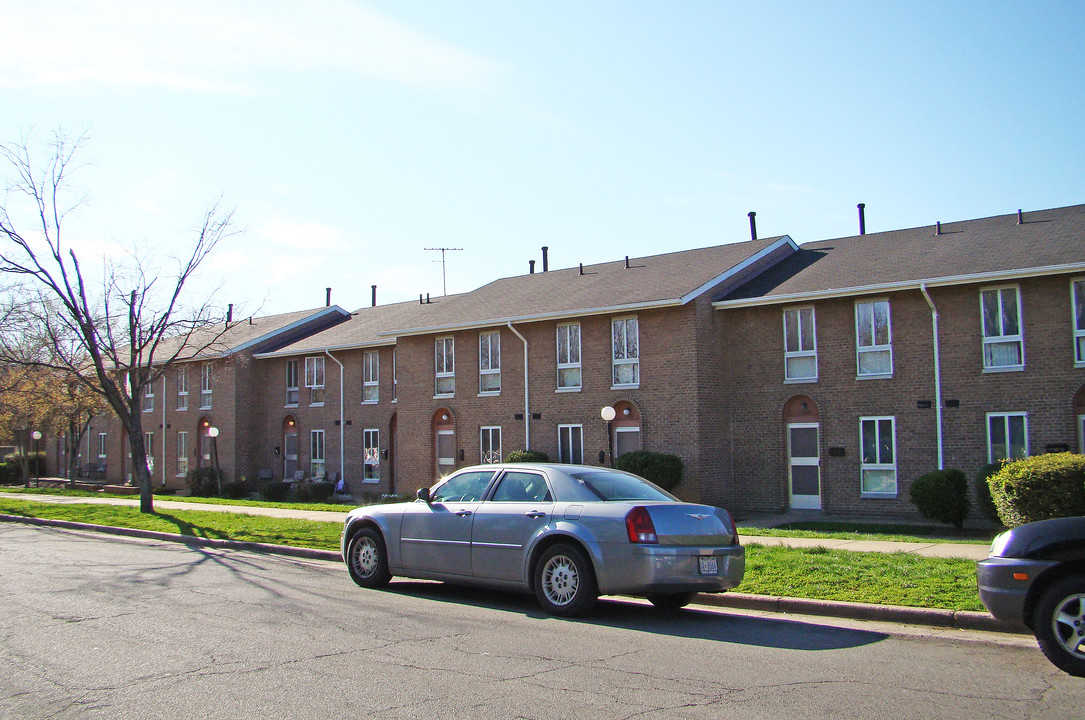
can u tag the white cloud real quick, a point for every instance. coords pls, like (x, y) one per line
(221, 45)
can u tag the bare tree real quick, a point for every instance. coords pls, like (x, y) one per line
(119, 337)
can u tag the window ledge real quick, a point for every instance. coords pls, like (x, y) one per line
(370, 402)
(877, 496)
(444, 396)
(625, 387)
(316, 404)
(875, 376)
(205, 407)
(291, 405)
(490, 393)
(371, 481)
(567, 390)
(800, 381)
(1007, 368)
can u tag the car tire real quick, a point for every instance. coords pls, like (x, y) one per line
(1059, 624)
(565, 581)
(671, 601)
(367, 559)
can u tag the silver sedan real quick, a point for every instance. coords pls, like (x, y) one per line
(567, 533)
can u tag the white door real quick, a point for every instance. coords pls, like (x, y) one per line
(804, 466)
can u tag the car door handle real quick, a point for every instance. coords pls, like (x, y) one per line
(535, 513)
(463, 513)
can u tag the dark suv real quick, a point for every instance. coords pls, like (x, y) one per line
(1036, 575)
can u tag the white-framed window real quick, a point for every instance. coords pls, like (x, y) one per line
(314, 379)
(571, 444)
(444, 363)
(800, 345)
(205, 386)
(395, 378)
(878, 461)
(625, 342)
(1007, 436)
(1003, 341)
(371, 442)
(873, 339)
(371, 375)
(148, 397)
(568, 344)
(489, 362)
(101, 446)
(182, 454)
(490, 443)
(316, 453)
(148, 449)
(182, 388)
(1077, 292)
(293, 392)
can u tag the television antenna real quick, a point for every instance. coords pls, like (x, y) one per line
(444, 281)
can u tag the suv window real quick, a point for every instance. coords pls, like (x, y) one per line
(465, 487)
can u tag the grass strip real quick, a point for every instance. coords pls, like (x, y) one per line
(65, 492)
(816, 573)
(193, 523)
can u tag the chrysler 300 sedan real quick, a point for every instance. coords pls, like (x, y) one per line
(567, 533)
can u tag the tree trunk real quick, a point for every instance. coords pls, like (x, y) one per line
(141, 474)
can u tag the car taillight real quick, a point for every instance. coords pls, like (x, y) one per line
(638, 524)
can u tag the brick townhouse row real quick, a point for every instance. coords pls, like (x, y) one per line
(824, 376)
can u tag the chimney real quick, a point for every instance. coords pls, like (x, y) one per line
(230, 314)
(1020, 217)
(327, 297)
(862, 218)
(374, 295)
(753, 225)
(546, 259)
(531, 267)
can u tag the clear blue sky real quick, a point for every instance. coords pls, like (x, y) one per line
(350, 136)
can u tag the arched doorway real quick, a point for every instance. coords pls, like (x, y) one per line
(803, 430)
(290, 448)
(1079, 418)
(444, 442)
(626, 427)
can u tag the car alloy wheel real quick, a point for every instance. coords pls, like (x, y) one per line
(366, 559)
(1059, 623)
(564, 582)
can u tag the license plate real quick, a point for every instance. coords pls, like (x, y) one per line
(708, 566)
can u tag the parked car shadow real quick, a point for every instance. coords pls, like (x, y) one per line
(691, 622)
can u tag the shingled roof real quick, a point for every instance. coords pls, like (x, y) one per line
(655, 281)
(252, 333)
(985, 250)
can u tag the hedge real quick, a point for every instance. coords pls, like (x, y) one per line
(1039, 488)
(942, 495)
(662, 469)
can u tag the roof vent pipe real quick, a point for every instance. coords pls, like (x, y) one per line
(753, 225)
(374, 295)
(419, 298)
(546, 258)
(531, 267)
(626, 262)
(581, 268)
(1020, 217)
(327, 297)
(427, 299)
(230, 314)
(938, 228)
(862, 218)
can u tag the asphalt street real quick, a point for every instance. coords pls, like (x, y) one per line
(97, 626)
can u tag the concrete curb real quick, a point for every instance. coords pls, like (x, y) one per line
(932, 617)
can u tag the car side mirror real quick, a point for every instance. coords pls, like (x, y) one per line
(423, 495)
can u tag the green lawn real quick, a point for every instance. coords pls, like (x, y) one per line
(816, 573)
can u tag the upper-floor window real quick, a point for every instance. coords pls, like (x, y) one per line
(444, 363)
(873, 340)
(293, 392)
(625, 341)
(1003, 343)
(489, 362)
(1078, 291)
(878, 464)
(371, 376)
(1007, 436)
(314, 379)
(569, 356)
(800, 346)
(148, 397)
(182, 388)
(205, 386)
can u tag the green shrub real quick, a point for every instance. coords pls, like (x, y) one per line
(942, 495)
(527, 456)
(1039, 488)
(318, 492)
(275, 492)
(983, 491)
(203, 482)
(162, 490)
(10, 474)
(662, 469)
(235, 490)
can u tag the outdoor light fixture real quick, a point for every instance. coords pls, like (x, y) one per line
(36, 435)
(213, 433)
(608, 414)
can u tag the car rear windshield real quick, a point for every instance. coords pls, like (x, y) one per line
(618, 486)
